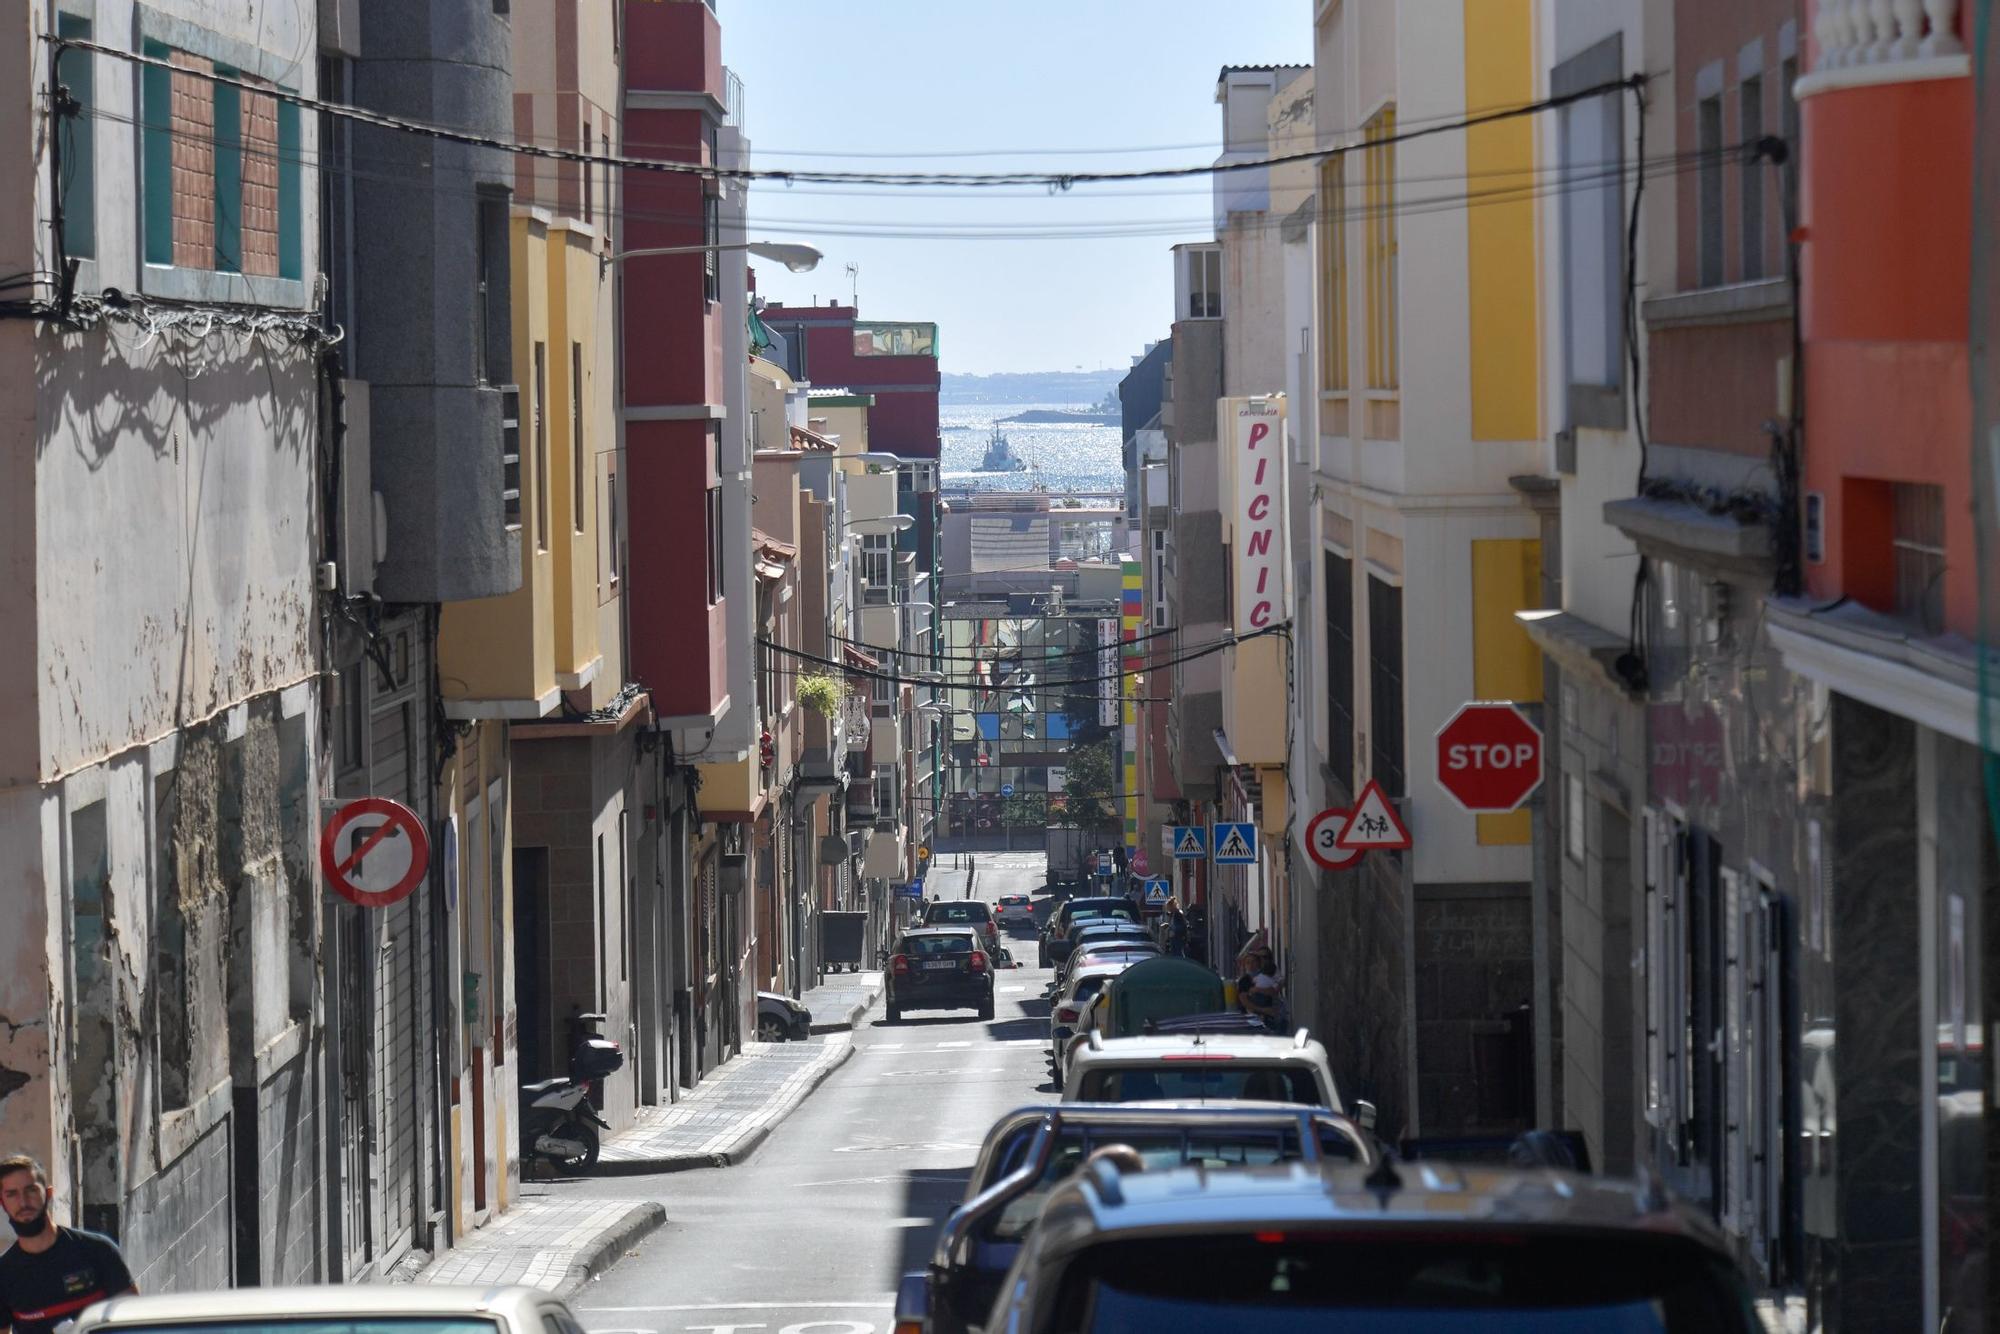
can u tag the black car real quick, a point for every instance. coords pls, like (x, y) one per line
(940, 968)
(1313, 1246)
(1055, 944)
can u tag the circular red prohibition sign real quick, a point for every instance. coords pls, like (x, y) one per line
(1323, 841)
(342, 871)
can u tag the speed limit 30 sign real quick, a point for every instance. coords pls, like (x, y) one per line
(1323, 840)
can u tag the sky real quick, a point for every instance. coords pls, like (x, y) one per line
(979, 85)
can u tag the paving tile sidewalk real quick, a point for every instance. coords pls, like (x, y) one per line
(838, 1003)
(556, 1245)
(730, 1113)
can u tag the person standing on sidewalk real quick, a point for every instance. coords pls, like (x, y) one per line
(50, 1273)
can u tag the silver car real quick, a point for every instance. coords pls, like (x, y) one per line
(389, 1308)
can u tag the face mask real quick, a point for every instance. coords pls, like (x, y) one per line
(33, 1227)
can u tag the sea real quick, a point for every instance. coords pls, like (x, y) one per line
(1065, 457)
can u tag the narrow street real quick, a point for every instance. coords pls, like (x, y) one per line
(848, 1193)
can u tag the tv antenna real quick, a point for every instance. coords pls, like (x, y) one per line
(853, 283)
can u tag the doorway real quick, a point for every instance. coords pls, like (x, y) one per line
(531, 959)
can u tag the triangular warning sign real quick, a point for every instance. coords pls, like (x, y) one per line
(1189, 843)
(1232, 847)
(1374, 823)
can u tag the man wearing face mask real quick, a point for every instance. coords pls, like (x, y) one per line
(50, 1273)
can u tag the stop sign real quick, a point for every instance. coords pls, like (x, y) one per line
(1489, 758)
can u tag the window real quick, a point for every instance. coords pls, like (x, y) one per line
(711, 237)
(1159, 579)
(1383, 296)
(336, 194)
(510, 457)
(1708, 192)
(611, 545)
(1573, 817)
(577, 452)
(1333, 275)
(77, 72)
(352, 754)
(1918, 542)
(233, 201)
(714, 545)
(492, 317)
(876, 557)
(589, 150)
(885, 788)
(1340, 668)
(541, 440)
(1788, 112)
(1204, 284)
(1751, 190)
(1385, 685)
(1591, 133)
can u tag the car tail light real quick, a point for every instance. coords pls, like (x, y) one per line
(978, 962)
(899, 965)
(1066, 1015)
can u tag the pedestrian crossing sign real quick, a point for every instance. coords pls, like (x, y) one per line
(1156, 892)
(1235, 844)
(1190, 842)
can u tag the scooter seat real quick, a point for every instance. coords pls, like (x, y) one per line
(537, 1090)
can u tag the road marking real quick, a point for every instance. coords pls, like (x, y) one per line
(884, 1304)
(951, 1046)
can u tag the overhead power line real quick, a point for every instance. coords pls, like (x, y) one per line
(1054, 179)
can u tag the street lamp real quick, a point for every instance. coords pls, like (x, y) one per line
(798, 258)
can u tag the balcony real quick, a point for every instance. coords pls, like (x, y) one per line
(858, 723)
(1864, 42)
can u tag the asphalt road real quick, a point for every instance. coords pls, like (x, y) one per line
(811, 1235)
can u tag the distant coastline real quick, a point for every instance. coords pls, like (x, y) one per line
(1053, 416)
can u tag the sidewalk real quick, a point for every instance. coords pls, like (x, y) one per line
(556, 1245)
(838, 1003)
(732, 1111)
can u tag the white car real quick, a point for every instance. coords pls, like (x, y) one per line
(1015, 908)
(1070, 1011)
(408, 1308)
(1206, 1067)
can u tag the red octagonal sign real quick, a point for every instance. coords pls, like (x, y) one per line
(1489, 758)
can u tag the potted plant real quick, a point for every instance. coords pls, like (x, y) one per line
(821, 693)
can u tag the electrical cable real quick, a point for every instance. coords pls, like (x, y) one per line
(1060, 180)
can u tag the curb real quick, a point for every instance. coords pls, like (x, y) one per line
(749, 1144)
(609, 1246)
(853, 1017)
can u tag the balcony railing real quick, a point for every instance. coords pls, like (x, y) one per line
(1884, 41)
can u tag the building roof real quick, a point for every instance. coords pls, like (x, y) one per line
(1009, 542)
(1228, 70)
(772, 555)
(806, 439)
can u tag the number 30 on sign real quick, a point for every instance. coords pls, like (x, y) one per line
(1323, 841)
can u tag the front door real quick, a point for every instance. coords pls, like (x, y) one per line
(360, 1156)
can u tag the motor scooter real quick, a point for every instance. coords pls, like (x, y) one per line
(559, 1123)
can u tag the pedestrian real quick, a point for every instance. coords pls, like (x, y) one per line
(50, 1273)
(1258, 986)
(1177, 929)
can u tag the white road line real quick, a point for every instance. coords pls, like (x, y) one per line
(885, 1304)
(951, 1046)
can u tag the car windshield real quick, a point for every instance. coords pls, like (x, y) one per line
(1162, 1147)
(1087, 987)
(1212, 1081)
(947, 944)
(956, 912)
(1362, 1283)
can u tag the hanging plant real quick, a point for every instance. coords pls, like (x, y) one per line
(820, 693)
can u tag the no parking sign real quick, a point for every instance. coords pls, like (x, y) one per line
(374, 852)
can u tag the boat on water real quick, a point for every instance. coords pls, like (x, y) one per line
(1000, 456)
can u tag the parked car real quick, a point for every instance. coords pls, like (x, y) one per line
(1015, 908)
(965, 912)
(1029, 1152)
(782, 1019)
(1072, 1002)
(1125, 951)
(1054, 943)
(940, 968)
(1312, 1246)
(407, 1308)
(1205, 1068)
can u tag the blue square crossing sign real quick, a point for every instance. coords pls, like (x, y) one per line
(1236, 844)
(1189, 841)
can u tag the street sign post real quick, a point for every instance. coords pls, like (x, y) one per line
(1236, 844)
(1006, 789)
(1323, 840)
(1489, 758)
(1373, 823)
(374, 852)
(1190, 842)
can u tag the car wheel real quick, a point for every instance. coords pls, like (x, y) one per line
(895, 1014)
(986, 1008)
(770, 1028)
(1041, 956)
